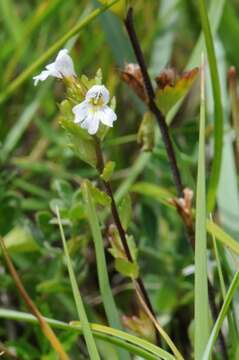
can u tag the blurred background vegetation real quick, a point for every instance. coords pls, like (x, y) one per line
(38, 170)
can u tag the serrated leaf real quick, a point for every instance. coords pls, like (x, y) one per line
(80, 142)
(116, 250)
(125, 211)
(127, 268)
(169, 95)
(108, 170)
(100, 197)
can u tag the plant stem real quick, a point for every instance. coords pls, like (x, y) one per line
(129, 24)
(115, 215)
(151, 103)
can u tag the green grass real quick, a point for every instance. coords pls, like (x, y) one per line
(91, 345)
(201, 287)
(39, 171)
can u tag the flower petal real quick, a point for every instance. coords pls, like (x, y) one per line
(80, 111)
(64, 64)
(108, 116)
(93, 125)
(53, 71)
(97, 91)
(41, 77)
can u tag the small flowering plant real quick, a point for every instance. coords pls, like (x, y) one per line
(87, 112)
(94, 109)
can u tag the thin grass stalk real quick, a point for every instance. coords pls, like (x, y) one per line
(136, 345)
(86, 330)
(218, 110)
(201, 282)
(223, 312)
(104, 283)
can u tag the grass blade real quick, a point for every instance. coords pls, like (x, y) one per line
(223, 237)
(105, 289)
(90, 342)
(218, 110)
(201, 288)
(135, 344)
(51, 51)
(221, 316)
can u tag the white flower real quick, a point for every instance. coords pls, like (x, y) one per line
(62, 67)
(94, 110)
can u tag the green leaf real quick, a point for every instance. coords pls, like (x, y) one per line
(81, 143)
(157, 192)
(20, 239)
(223, 237)
(125, 211)
(63, 189)
(201, 283)
(132, 247)
(77, 212)
(100, 197)
(169, 95)
(146, 132)
(223, 312)
(218, 110)
(108, 171)
(127, 268)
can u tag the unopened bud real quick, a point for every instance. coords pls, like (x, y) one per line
(132, 75)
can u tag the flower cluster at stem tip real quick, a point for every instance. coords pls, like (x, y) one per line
(94, 109)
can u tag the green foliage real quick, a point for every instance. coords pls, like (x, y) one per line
(125, 211)
(21, 240)
(127, 268)
(47, 160)
(108, 171)
(201, 280)
(146, 135)
(168, 95)
(80, 142)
